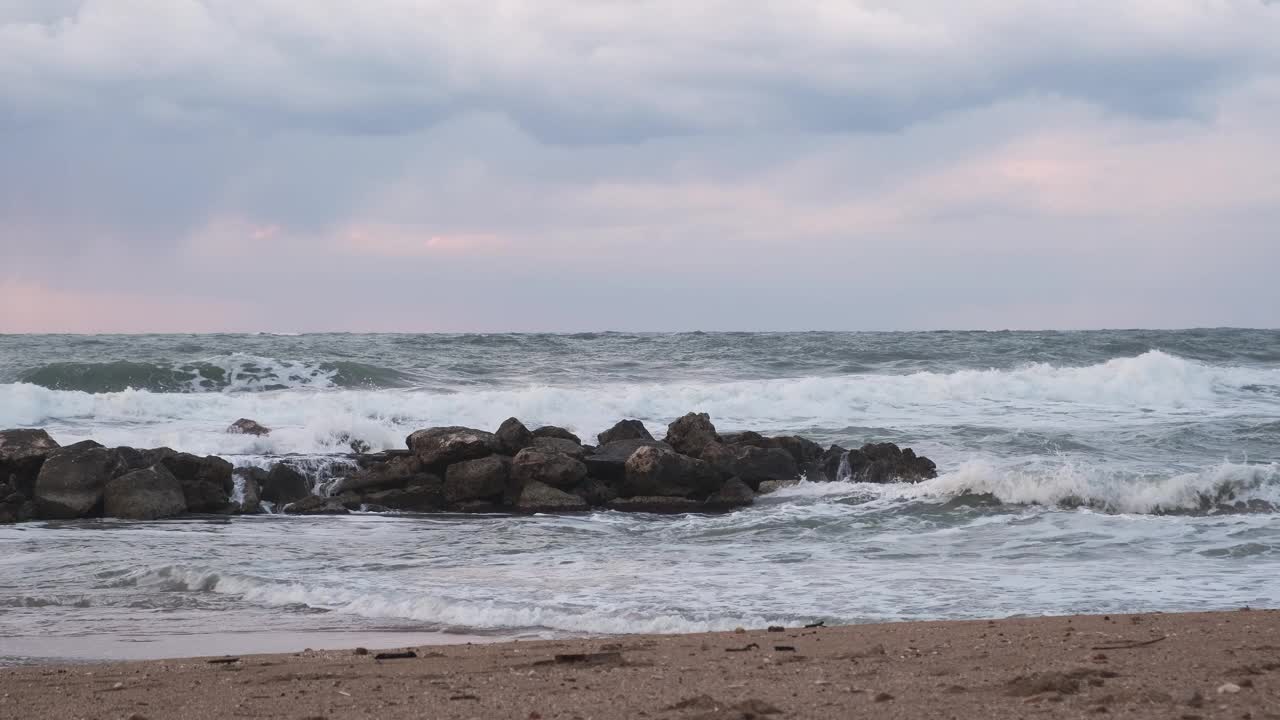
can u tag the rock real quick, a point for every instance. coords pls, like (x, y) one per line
(551, 431)
(512, 436)
(595, 492)
(560, 445)
(144, 495)
(660, 505)
(753, 465)
(689, 434)
(558, 470)
(285, 484)
(769, 486)
(206, 481)
(443, 446)
(316, 505)
(802, 450)
(398, 472)
(886, 462)
(749, 437)
(251, 481)
(482, 479)
(245, 426)
(658, 471)
(72, 480)
(537, 497)
(733, 494)
(609, 461)
(827, 467)
(624, 430)
(425, 497)
(22, 452)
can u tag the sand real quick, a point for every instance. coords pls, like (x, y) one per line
(1201, 665)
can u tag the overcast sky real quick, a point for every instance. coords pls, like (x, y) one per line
(414, 165)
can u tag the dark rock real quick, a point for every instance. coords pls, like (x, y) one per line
(425, 497)
(749, 437)
(245, 426)
(652, 504)
(689, 434)
(733, 494)
(753, 465)
(72, 480)
(482, 479)
(251, 481)
(443, 446)
(144, 495)
(558, 470)
(658, 471)
(22, 452)
(398, 472)
(285, 484)
(316, 505)
(595, 492)
(624, 430)
(609, 462)
(512, 436)
(827, 467)
(801, 449)
(560, 445)
(477, 506)
(537, 497)
(551, 431)
(141, 459)
(886, 462)
(206, 481)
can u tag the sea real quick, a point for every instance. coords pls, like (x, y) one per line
(1079, 472)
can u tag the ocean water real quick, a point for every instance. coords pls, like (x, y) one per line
(1079, 472)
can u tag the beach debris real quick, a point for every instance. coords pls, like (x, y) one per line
(1128, 644)
(245, 426)
(1228, 689)
(820, 623)
(465, 696)
(784, 648)
(361, 651)
(396, 655)
(597, 658)
(744, 648)
(224, 660)
(777, 628)
(882, 697)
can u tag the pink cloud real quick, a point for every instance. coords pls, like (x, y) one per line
(411, 241)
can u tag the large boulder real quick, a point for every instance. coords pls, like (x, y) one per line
(250, 481)
(72, 480)
(428, 496)
(551, 431)
(886, 462)
(609, 462)
(316, 505)
(802, 450)
(753, 465)
(538, 497)
(551, 468)
(442, 446)
(733, 494)
(144, 495)
(595, 492)
(656, 504)
(559, 445)
(398, 472)
(657, 471)
(689, 434)
(482, 479)
(245, 426)
(206, 481)
(285, 484)
(22, 452)
(624, 430)
(512, 436)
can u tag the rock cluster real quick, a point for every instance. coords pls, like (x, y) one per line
(445, 469)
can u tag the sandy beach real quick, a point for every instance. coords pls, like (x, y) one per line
(1196, 665)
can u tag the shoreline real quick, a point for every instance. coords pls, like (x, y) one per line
(1181, 665)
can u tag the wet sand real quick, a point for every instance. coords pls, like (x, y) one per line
(1199, 665)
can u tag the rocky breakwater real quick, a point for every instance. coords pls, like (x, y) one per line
(693, 468)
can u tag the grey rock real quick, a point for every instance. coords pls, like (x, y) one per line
(538, 497)
(316, 505)
(556, 469)
(22, 452)
(654, 471)
(285, 484)
(442, 446)
(595, 492)
(624, 430)
(733, 494)
(252, 480)
(72, 480)
(512, 436)
(425, 497)
(206, 481)
(689, 434)
(656, 504)
(802, 450)
(398, 472)
(144, 495)
(560, 445)
(245, 426)
(482, 479)
(551, 431)
(608, 463)
(753, 465)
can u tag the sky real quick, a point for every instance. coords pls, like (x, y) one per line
(557, 165)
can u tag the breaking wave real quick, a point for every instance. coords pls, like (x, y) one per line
(230, 373)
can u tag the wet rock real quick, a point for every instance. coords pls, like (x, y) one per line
(608, 463)
(733, 494)
(538, 497)
(22, 452)
(245, 426)
(316, 505)
(443, 446)
(827, 467)
(399, 471)
(655, 504)
(285, 484)
(753, 465)
(624, 430)
(481, 479)
(72, 479)
(251, 482)
(144, 495)
(886, 462)
(654, 471)
(206, 481)
(560, 445)
(556, 469)
(512, 436)
(551, 431)
(689, 434)
(595, 492)
(426, 496)
(749, 437)
(802, 450)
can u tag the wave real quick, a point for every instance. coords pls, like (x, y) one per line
(236, 372)
(435, 609)
(1228, 487)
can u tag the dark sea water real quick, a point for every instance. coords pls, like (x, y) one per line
(1079, 472)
